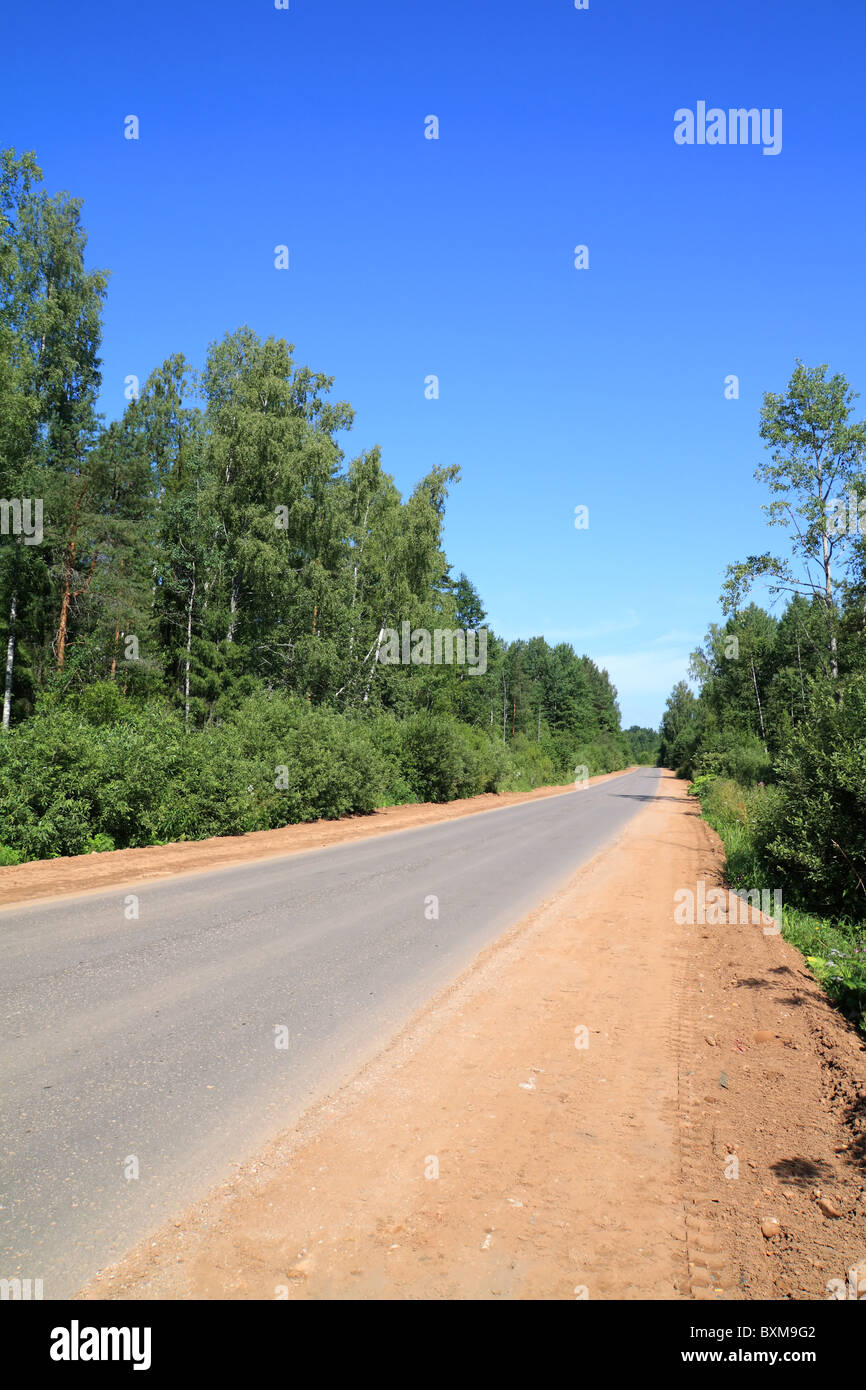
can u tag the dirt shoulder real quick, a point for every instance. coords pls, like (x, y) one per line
(52, 878)
(561, 1122)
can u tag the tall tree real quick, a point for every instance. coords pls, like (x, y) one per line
(818, 454)
(51, 305)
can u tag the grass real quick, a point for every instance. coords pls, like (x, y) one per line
(835, 951)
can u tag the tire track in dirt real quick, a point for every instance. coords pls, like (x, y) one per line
(774, 1110)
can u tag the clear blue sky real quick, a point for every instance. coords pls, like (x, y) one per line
(411, 257)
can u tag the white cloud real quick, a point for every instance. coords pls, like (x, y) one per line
(606, 628)
(644, 679)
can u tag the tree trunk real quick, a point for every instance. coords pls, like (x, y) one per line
(355, 581)
(375, 659)
(69, 558)
(758, 698)
(828, 598)
(188, 653)
(233, 609)
(64, 618)
(10, 663)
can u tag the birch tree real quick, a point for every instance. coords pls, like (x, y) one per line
(816, 479)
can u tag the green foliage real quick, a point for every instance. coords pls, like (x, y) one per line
(99, 844)
(600, 755)
(680, 730)
(701, 785)
(815, 836)
(781, 710)
(533, 764)
(841, 964)
(732, 811)
(746, 820)
(818, 456)
(211, 599)
(74, 782)
(741, 757)
(643, 745)
(440, 759)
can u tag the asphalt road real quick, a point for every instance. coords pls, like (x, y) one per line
(154, 1038)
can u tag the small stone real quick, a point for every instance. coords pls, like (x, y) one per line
(828, 1207)
(710, 1040)
(770, 1228)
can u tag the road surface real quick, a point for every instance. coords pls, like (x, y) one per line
(140, 1055)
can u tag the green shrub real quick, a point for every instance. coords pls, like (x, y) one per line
(813, 830)
(525, 764)
(68, 786)
(740, 757)
(385, 735)
(601, 755)
(440, 758)
(730, 810)
(837, 958)
(747, 820)
(89, 772)
(701, 785)
(99, 844)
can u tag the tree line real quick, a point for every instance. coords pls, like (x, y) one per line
(775, 737)
(209, 583)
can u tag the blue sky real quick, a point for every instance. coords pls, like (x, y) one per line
(455, 257)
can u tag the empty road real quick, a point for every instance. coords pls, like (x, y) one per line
(140, 1055)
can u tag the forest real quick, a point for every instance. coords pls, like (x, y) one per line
(775, 738)
(193, 597)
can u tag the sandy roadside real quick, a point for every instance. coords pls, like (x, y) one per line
(561, 1122)
(85, 873)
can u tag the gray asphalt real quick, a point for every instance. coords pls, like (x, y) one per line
(155, 1038)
